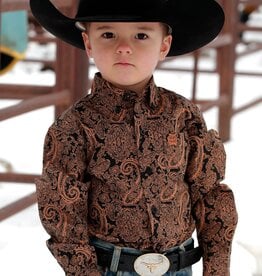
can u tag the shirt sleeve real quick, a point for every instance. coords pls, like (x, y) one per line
(62, 193)
(213, 203)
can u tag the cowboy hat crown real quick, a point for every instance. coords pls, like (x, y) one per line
(193, 23)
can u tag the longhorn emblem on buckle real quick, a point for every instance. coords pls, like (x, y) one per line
(151, 264)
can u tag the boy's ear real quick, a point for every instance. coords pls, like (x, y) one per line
(165, 47)
(87, 44)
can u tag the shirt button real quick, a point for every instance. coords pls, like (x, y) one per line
(126, 97)
(118, 109)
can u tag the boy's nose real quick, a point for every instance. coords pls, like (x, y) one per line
(123, 48)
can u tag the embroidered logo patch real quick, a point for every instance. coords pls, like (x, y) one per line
(172, 139)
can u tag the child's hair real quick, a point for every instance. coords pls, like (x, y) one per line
(168, 30)
(84, 26)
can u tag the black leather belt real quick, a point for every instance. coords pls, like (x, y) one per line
(178, 259)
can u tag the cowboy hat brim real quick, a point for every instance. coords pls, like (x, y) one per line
(194, 23)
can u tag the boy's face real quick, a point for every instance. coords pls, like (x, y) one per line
(126, 54)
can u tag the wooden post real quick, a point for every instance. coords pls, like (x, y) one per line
(73, 67)
(226, 69)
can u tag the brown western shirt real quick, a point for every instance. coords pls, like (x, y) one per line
(138, 171)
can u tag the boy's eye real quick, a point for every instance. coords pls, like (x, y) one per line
(141, 36)
(108, 35)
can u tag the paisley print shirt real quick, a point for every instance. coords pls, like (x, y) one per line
(139, 171)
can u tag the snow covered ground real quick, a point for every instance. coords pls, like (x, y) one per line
(22, 238)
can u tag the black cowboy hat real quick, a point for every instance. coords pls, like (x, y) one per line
(194, 23)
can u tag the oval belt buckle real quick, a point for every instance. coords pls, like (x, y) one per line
(151, 264)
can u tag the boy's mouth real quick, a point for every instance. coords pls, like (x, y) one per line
(124, 63)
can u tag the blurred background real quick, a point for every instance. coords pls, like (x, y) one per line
(41, 76)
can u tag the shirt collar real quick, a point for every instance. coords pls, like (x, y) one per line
(107, 90)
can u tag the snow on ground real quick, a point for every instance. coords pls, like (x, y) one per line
(22, 240)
